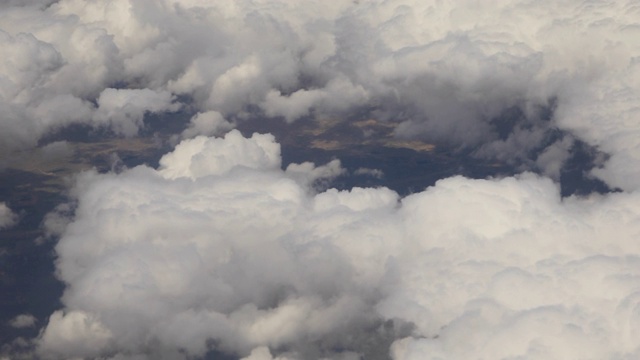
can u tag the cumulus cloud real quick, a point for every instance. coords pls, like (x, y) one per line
(248, 301)
(483, 76)
(215, 156)
(208, 124)
(29, 64)
(76, 333)
(221, 249)
(338, 95)
(124, 109)
(7, 217)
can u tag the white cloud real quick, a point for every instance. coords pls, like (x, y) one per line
(293, 106)
(220, 246)
(221, 243)
(208, 124)
(339, 94)
(7, 217)
(552, 159)
(447, 71)
(124, 109)
(204, 156)
(317, 176)
(76, 332)
(23, 321)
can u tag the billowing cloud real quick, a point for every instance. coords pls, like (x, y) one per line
(222, 249)
(498, 78)
(124, 109)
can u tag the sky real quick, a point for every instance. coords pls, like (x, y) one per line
(222, 248)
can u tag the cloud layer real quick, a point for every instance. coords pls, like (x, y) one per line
(221, 248)
(499, 78)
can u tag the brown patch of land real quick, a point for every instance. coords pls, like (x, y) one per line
(410, 144)
(57, 163)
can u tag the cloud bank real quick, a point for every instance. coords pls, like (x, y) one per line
(503, 79)
(221, 249)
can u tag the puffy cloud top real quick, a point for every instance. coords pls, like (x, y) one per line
(453, 73)
(204, 156)
(245, 257)
(221, 248)
(124, 109)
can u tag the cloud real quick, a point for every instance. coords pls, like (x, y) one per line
(208, 124)
(33, 104)
(75, 332)
(317, 176)
(23, 320)
(204, 156)
(375, 173)
(501, 79)
(221, 248)
(339, 94)
(124, 109)
(247, 302)
(7, 217)
(9, 3)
